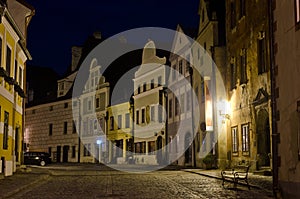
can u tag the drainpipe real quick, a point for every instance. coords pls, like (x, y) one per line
(273, 102)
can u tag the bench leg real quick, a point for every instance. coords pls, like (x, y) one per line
(247, 183)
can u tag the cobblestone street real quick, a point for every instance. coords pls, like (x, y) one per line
(101, 182)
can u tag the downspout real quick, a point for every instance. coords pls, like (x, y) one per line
(273, 102)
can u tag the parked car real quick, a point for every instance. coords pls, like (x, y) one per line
(37, 158)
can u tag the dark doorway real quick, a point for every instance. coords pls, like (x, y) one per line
(188, 149)
(65, 153)
(263, 138)
(159, 150)
(58, 153)
(17, 144)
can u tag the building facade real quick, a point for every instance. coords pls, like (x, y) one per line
(248, 83)
(149, 103)
(15, 18)
(208, 82)
(286, 145)
(119, 132)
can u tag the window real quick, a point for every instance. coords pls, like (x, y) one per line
(16, 71)
(232, 73)
(5, 130)
(111, 123)
(151, 147)
(159, 81)
(242, 8)
(1, 51)
(160, 113)
(119, 121)
(170, 108)
(188, 99)
(173, 72)
(182, 103)
(176, 106)
(50, 129)
(89, 105)
(143, 115)
(202, 90)
(50, 150)
(137, 117)
(152, 83)
(8, 60)
(152, 113)
(21, 77)
(74, 127)
(73, 151)
(102, 101)
(234, 136)
(95, 124)
(188, 65)
(180, 67)
(297, 11)
(232, 15)
(127, 120)
(102, 123)
(87, 149)
(97, 102)
(243, 69)
(261, 54)
(66, 105)
(245, 137)
(144, 87)
(139, 90)
(65, 127)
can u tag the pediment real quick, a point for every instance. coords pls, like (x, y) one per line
(262, 96)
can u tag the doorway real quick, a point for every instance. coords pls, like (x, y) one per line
(65, 153)
(263, 138)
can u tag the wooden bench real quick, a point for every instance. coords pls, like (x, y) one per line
(238, 173)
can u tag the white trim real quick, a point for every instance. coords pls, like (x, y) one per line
(19, 109)
(6, 94)
(10, 29)
(22, 55)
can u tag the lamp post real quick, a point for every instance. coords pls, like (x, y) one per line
(165, 93)
(131, 102)
(79, 131)
(99, 142)
(192, 119)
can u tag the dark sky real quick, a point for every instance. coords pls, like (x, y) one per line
(60, 24)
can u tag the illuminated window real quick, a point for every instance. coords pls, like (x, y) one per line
(234, 135)
(16, 71)
(297, 11)
(245, 137)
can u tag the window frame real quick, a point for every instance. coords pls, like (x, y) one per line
(245, 138)
(234, 140)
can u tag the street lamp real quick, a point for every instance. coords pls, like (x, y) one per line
(131, 102)
(165, 93)
(99, 142)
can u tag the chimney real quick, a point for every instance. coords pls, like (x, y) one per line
(97, 35)
(76, 54)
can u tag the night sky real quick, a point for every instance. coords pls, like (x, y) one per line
(60, 24)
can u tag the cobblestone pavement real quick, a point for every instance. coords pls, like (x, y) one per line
(81, 182)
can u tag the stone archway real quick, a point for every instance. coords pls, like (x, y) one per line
(263, 138)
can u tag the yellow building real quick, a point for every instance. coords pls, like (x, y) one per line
(15, 17)
(119, 132)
